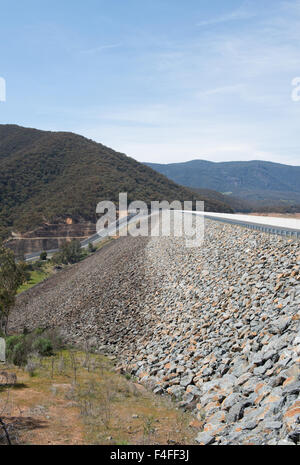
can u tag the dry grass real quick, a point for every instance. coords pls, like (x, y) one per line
(78, 398)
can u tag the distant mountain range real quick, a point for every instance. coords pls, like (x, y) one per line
(51, 176)
(258, 182)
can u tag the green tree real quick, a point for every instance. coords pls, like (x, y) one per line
(43, 346)
(43, 255)
(12, 275)
(70, 252)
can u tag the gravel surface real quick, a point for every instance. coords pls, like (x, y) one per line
(90, 301)
(216, 327)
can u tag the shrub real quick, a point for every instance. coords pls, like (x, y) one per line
(38, 331)
(17, 350)
(20, 354)
(30, 368)
(57, 258)
(91, 248)
(43, 342)
(11, 341)
(43, 255)
(70, 252)
(35, 266)
(43, 346)
(54, 338)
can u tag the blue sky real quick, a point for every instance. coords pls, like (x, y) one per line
(160, 80)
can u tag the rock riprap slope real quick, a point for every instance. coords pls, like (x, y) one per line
(226, 343)
(216, 327)
(95, 301)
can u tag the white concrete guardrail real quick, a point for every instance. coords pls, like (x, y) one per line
(273, 225)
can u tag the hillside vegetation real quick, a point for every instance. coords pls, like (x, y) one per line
(75, 397)
(260, 183)
(49, 176)
(236, 203)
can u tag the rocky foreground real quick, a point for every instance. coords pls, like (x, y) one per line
(216, 327)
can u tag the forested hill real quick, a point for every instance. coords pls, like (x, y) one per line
(258, 181)
(49, 176)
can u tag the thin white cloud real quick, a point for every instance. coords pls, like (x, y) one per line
(242, 13)
(232, 89)
(99, 49)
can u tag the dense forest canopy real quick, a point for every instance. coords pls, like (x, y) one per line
(49, 176)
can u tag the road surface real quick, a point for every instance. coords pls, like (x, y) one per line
(94, 239)
(274, 225)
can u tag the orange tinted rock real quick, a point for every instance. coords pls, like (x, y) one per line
(191, 348)
(196, 424)
(258, 399)
(293, 410)
(213, 429)
(259, 386)
(212, 405)
(221, 417)
(289, 380)
(190, 388)
(170, 376)
(271, 398)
